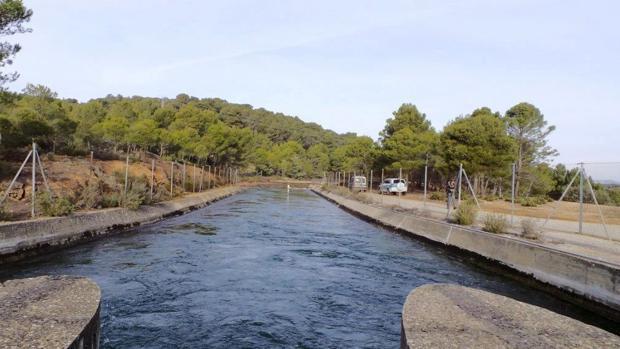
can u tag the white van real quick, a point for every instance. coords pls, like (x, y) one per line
(358, 183)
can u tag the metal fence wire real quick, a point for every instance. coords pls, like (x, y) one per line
(581, 198)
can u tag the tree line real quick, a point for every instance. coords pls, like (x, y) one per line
(212, 131)
(215, 132)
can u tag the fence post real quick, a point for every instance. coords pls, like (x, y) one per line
(581, 198)
(202, 170)
(460, 182)
(194, 179)
(425, 178)
(400, 177)
(209, 178)
(126, 176)
(512, 194)
(152, 176)
(184, 175)
(370, 183)
(47, 186)
(171, 179)
(34, 174)
(21, 168)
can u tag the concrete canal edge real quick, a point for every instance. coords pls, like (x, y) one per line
(591, 284)
(19, 240)
(451, 316)
(50, 312)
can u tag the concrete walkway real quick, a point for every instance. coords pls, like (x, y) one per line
(557, 234)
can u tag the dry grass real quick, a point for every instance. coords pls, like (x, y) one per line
(568, 211)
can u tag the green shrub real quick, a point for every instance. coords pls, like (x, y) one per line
(55, 207)
(110, 200)
(438, 195)
(529, 230)
(4, 214)
(533, 201)
(136, 195)
(465, 214)
(495, 223)
(490, 198)
(90, 196)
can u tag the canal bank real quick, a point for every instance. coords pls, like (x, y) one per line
(589, 283)
(267, 268)
(32, 237)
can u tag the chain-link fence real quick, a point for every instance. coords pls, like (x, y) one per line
(46, 184)
(556, 200)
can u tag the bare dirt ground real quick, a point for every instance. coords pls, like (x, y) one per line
(67, 175)
(568, 211)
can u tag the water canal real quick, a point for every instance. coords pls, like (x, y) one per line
(263, 269)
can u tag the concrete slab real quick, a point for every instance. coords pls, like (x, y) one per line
(49, 312)
(451, 316)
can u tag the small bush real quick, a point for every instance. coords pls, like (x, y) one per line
(136, 195)
(55, 207)
(529, 229)
(4, 214)
(533, 201)
(90, 196)
(528, 202)
(490, 198)
(466, 213)
(495, 223)
(110, 200)
(438, 195)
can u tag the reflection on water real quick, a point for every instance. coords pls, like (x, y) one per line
(263, 269)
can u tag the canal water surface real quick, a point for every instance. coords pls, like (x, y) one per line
(263, 269)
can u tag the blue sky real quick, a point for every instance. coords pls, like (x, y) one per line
(345, 64)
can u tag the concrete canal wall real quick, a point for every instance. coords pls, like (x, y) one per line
(55, 312)
(589, 283)
(21, 239)
(451, 316)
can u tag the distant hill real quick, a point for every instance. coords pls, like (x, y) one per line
(609, 182)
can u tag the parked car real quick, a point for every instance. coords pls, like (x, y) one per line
(358, 183)
(393, 186)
